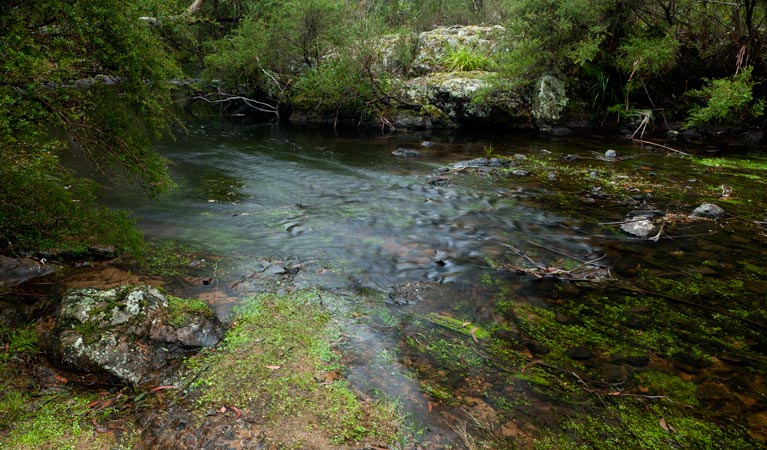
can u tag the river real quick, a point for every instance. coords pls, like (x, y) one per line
(494, 305)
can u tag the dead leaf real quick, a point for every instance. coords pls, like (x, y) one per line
(664, 425)
(237, 411)
(473, 333)
(61, 379)
(430, 406)
(273, 367)
(162, 388)
(222, 409)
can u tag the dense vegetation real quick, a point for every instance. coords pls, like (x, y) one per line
(93, 77)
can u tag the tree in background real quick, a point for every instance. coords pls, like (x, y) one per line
(620, 56)
(86, 76)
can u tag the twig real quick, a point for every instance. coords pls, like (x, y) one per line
(642, 141)
(657, 236)
(559, 252)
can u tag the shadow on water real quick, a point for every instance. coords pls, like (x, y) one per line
(469, 311)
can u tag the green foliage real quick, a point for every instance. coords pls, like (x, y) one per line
(727, 100)
(647, 57)
(607, 51)
(43, 207)
(466, 59)
(90, 77)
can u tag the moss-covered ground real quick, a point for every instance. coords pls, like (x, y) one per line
(278, 364)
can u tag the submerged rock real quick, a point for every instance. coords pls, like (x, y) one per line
(580, 353)
(128, 333)
(484, 162)
(406, 152)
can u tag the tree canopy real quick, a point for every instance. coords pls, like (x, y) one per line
(84, 76)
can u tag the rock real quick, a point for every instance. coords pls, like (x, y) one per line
(570, 158)
(611, 154)
(536, 348)
(753, 137)
(556, 131)
(427, 144)
(690, 135)
(580, 353)
(127, 333)
(639, 228)
(276, 269)
(406, 152)
(440, 258)
(649, 213)
(709, 211)
(520, 173)
(433, 45)
(484, 162)
(631, 359)
(439, 181)
(564, 319)
(550, 100)
(14, 271)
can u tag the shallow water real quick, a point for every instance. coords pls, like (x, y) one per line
(354, 218)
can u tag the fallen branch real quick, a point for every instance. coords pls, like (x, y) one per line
(665, 147)
(226, 98)
(579, 273)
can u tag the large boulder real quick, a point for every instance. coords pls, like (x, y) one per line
(434, 45)
(549, 101)
(129, 333)
(452, 98)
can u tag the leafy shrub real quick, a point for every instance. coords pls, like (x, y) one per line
(43, 207)
(727, 100)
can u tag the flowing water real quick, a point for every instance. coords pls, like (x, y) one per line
(476, 292)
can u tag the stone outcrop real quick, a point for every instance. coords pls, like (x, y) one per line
(128, 333)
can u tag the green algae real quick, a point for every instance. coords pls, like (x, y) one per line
(632, 423)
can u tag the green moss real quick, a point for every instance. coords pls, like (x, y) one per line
(433, 111)
(665, 384)
(181, 310)
(53, 421)
(19, 341)
(280, 359)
